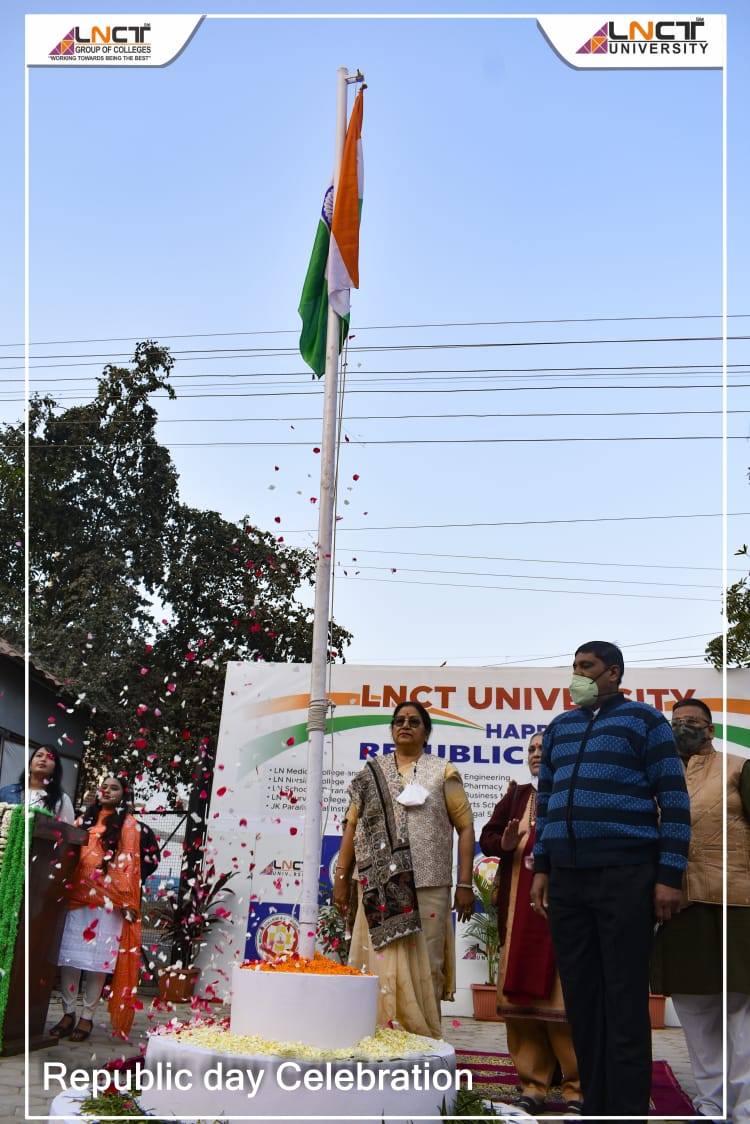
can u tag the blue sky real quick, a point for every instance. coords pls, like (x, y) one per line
(501, 185)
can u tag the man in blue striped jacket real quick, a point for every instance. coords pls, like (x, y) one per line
(613, 829)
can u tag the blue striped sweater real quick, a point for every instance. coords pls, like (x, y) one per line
(612, 791)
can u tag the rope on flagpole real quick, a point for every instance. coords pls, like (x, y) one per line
(339, 432)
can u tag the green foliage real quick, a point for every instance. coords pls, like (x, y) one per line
(117, 1104)
(331, 933)
(12, 877)
(482, 929)
(184, 919)
(137, 598)
(469, 1104)
(738, 626)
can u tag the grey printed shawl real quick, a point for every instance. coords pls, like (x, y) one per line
(381, 845)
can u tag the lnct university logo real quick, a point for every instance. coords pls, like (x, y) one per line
(652, 37)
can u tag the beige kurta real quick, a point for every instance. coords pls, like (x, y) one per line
(416, 972)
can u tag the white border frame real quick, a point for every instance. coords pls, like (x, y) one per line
(724, 490)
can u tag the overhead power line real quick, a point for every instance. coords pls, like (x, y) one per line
(193, 355)
(435, 417)
(525, 577)
(414, 373)
(528, 522)
(430, 657)
(535, 589)
(543, 561)
(432, 391)
(389, 327)
(640, 644)
(363, 442)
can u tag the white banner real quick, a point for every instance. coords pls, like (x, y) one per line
(112, 41)
(482, 721)
(634, 41)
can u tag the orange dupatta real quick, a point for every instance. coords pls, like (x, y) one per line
(119, 888)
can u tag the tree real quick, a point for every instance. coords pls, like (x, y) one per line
(100, 487)
(738, 631)
(109, 541)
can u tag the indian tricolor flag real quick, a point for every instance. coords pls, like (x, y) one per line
(334, 262)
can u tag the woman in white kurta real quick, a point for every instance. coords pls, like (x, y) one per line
(102, 928)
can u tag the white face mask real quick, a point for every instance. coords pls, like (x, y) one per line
(413, 796)
(584, 691)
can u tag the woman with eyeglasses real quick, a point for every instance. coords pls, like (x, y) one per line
(529, 993)
(45, 786)
(405, 807)
(687, 962)
(102, 932)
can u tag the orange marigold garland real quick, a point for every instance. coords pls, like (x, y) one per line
(318, 966)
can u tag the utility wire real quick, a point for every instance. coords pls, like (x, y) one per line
(639, 644)
(433, 417)
(362, 442)
(417, 372)
(536, 589)
(526, 577)
(421, 390)
(531, 522)
(433, 391)
(388, 327)
(535, 658)
(544, 561)
(192, 355)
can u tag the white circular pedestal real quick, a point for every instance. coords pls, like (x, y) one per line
(330, 1012)
(402, 1088)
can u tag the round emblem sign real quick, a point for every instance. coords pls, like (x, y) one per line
(485, 866)
(277, 935)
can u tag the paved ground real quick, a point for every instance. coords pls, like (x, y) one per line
(669, 1045)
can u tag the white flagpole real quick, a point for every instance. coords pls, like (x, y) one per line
(316, 719)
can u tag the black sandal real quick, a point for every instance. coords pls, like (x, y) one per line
(532, 1105)
(64, 1027)
(79, 1035)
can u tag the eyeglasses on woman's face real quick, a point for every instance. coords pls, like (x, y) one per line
(413, 723)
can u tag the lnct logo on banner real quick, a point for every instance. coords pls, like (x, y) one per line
(653, 37)
(102, 41)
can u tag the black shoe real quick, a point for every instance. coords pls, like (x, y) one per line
(576, 1107)
(64, 1027)
(81, 1033)
(532, 1105)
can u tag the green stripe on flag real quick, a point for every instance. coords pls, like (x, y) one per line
(313, 305)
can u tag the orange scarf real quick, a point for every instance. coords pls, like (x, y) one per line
(119, 888)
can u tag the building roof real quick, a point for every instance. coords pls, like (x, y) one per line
(39, 674)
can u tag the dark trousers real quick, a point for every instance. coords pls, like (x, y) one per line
(602, 921)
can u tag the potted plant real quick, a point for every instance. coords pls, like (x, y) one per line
(331, 931)
(482, 929)
(183, 920)
(656, 1010)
